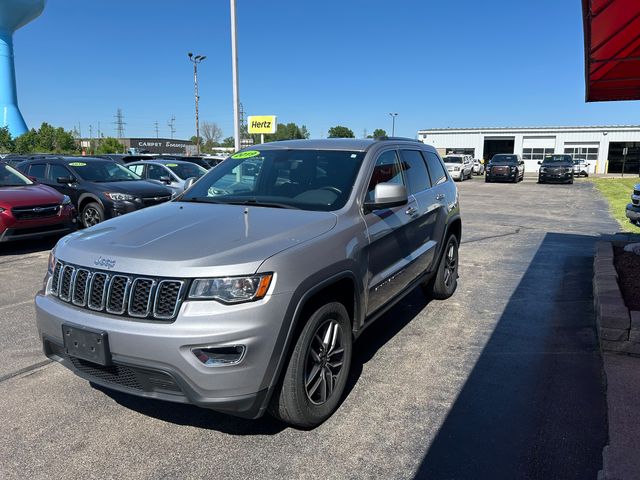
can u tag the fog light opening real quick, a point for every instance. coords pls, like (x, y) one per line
(219, 356)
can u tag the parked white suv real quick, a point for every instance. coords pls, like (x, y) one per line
(459, 166)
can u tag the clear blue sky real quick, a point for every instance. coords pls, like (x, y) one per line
(438, 63)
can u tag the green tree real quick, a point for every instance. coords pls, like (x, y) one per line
(340, 132)
(379, 132)
(289, 131)
(7, 144)
(64, 141)
(229, 142)
(110, 145)
(27, 142)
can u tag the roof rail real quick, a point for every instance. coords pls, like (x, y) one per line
(403, 139)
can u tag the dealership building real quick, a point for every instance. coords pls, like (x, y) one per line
(603, 147)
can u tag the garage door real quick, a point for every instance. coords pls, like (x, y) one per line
(534, 149)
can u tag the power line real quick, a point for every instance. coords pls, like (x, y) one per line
(120, 123)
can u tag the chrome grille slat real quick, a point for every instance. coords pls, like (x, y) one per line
(66, 283)
(80, 284)
(97, 291)
(118, 293)
(167, 298)
(141, 296)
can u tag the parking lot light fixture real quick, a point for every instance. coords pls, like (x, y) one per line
(196, 60)
(393, 124)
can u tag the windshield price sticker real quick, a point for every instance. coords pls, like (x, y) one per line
(247, 154)
(172, 164)
(77, 164)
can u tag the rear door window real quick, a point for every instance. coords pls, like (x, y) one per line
(156, 172)
(137, 169)
(415, 171)
(436, 169)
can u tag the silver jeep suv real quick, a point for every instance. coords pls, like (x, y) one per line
(245, 293)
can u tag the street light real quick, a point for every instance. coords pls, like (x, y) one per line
(393, 124)
(196, 60)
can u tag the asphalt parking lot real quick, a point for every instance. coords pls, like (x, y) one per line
(503, 380)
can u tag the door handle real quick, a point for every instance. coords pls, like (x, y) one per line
(440, 196)
(411, 211)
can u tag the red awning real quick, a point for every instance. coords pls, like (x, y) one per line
(612, 49)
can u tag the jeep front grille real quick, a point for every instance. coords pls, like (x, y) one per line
(116, 293)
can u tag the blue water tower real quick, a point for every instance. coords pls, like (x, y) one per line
(13, 15)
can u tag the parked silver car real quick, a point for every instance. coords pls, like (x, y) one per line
(247, 292)
(173, 173)
(478, 167)
(459, 166)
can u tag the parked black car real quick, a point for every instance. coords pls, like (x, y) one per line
(556, 168)
(183, 158)
(99, 188)
(125, 158)
(505, 167)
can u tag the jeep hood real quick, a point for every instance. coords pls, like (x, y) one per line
(179, 239)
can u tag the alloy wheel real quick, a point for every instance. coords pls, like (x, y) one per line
(450, 264)
(324, 362)
(91, 217)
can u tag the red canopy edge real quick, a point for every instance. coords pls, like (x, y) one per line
(612, 49)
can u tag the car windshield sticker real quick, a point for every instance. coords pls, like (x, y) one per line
(77, 164)
(246, 154)
(172, 164)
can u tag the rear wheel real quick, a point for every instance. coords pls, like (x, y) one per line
(444, 284)
(315, 378)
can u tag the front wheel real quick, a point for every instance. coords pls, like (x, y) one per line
(315, 378)
(92, 214)
(444, 284)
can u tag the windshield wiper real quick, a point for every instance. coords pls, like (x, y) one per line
(256, 203)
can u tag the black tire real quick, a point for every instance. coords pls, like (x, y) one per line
(442, 286)
(292, 402)
(486, 180)
(92, 214)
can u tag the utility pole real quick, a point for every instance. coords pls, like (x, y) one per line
(98, 129)
(393, 124)
(90, 138)
(120, 123)
(196, 60)
(171, 123)
(243, 128)
(236, 90)
(155, 124)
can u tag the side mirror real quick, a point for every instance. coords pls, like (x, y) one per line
(539, 163)
(388, 195)
(65, 180)
(166, 180)
(189, 182)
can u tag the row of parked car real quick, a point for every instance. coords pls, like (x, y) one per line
(44, 195)
(559, 168)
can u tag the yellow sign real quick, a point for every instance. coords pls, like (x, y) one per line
(262, 123)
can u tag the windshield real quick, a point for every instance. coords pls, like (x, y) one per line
(305, 179)
(504, 159)
(10, 177)
(557, 158)
(186, 170)
(452, 159)
(102, 171)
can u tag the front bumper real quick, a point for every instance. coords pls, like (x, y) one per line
(633, 212)
(154, 359)
(555, 177)
(493, 177)
(12, 229)
(455, 175)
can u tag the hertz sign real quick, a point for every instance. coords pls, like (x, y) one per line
(262, 123)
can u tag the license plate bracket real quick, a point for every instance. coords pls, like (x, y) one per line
(86, 344)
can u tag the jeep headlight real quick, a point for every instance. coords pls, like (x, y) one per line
(119, 197)
(231, 289)
(543, 169)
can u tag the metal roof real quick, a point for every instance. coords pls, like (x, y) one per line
(610, 128)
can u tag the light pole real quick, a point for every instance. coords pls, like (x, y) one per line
(196, 60)
(393, 124)
(236, 88)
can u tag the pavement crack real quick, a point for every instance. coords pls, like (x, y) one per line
(491, 237)
(30, 368)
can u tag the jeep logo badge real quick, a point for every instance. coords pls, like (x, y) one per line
(107, 263)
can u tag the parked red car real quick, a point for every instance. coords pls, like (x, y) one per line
(30, 210)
